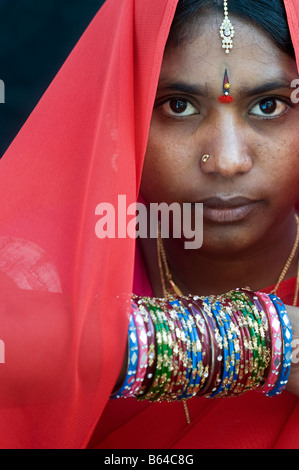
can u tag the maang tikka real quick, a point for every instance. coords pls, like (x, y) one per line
(227, 31)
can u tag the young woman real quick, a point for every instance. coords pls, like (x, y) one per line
(66, 291)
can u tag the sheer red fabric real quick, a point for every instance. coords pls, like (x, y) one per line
(63, 309)
(251, 421)
(64, 291)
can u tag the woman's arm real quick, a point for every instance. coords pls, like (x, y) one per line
(293, 383)
(47, 352)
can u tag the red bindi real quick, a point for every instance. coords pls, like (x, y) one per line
(226, 97)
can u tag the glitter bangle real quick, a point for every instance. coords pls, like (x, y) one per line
(160, 350)
(197, 369)
(132, 362)
(260, 334)
(276, 342)
(247, 381)
(172, 339)
(152, 358)
(231, 336)
(204, 338)
(254, 339)
(216, 348)
(180, 350)
(225, 349)
(142, 340)
(188, 342)
(261, 317)
(238, 336)
(287, 346)
(165, 378)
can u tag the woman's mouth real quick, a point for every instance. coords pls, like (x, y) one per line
(230, 210)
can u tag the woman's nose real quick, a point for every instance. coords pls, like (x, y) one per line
(228, 150)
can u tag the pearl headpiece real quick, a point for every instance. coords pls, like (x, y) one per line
(227, 31)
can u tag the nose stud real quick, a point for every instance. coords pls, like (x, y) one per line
(205, 158)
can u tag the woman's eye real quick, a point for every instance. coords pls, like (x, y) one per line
(269, 107)
(178, 107)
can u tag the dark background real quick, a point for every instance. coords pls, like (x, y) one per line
(36, 36)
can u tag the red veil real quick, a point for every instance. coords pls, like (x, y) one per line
(64, 291)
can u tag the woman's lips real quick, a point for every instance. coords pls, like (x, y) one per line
(227, 210)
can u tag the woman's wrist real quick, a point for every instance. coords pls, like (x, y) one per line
(248, 338)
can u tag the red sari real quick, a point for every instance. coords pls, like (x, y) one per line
(64, 291)
(251, 421)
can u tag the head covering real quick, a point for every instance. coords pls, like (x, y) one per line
(292, 10)
(64, 291)
(63, 310)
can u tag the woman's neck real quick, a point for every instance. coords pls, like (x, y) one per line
(203, 273)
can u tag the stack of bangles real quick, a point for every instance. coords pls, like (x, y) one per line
(213, 346)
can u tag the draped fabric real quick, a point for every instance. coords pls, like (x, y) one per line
(63, 309)
(251, 421)
(64, 291)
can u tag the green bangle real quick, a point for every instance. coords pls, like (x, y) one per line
(177, 375)
(162, 350)
(259, 330)
(263, 347)
(251, 324)
(159, 355)
(165, 378)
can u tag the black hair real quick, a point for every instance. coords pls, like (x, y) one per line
(270, 15)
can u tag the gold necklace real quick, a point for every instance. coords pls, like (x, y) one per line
(162, 260)
(287, 265)
(165, 272)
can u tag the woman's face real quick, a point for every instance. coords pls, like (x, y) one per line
(250, 182)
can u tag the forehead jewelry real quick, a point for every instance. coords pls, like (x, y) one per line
(227, 31)
(226, 97)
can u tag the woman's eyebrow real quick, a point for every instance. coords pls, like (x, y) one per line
(265, 87)
(181, 86)
(203, 90)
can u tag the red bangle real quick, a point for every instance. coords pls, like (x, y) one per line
(276, 342)
(216, 352)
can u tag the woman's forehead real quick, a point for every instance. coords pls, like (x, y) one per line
(254, 59)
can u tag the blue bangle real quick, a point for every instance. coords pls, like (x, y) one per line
(196, 373)
(132, 361)
(181, 314)
(287, 333)
(234, 353)
(234, 343)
